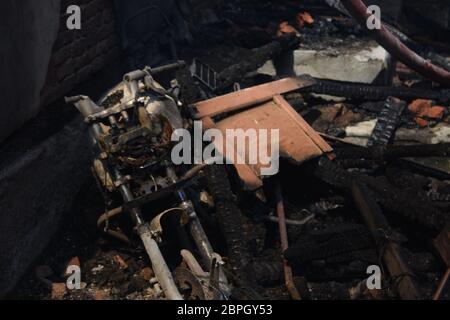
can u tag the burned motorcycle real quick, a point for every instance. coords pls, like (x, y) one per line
(131, 128)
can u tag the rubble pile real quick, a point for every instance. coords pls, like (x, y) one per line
(363, 185)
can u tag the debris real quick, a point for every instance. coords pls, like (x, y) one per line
(292, 222)
(141, 143)
(328, 244)
(442, 285)
(304, 18)
(362, 62)
(298, 141)
(288, 277)
(425, 109)
(101, 295)
(442, 244)
(267, 272)
(360, 133)
(206, 198)
(360, 291)
(338, 115)
(98, 268)
(360, 12)
(394, 151)
(75, 261)
(286, 28)
(120, 262)
(386, 242)
(59, 290)
(231, 220)
(409, 206)
(147, 273)
(387, 123)
(268, 65)
(204, 74)
(236, 72)
(361, 91)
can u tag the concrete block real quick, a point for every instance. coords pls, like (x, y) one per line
(357, 61)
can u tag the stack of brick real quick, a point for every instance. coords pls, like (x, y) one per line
(78, 54)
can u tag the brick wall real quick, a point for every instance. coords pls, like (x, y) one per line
(78, 54)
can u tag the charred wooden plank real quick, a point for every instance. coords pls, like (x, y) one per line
(388, 121)
(248, 97)
(325, 244)
(393, 152)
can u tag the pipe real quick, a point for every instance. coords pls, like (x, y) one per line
(193, 264)
(288, 277)
(200, 238)
(159, 265)
(195, 227)
(394, 46)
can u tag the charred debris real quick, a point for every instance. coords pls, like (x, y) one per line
(363, 185)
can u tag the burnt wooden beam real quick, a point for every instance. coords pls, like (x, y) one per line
(442, 245)
(288, 276)
(236, 72)
(393, 151)
(394, 199)
(388, 248)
